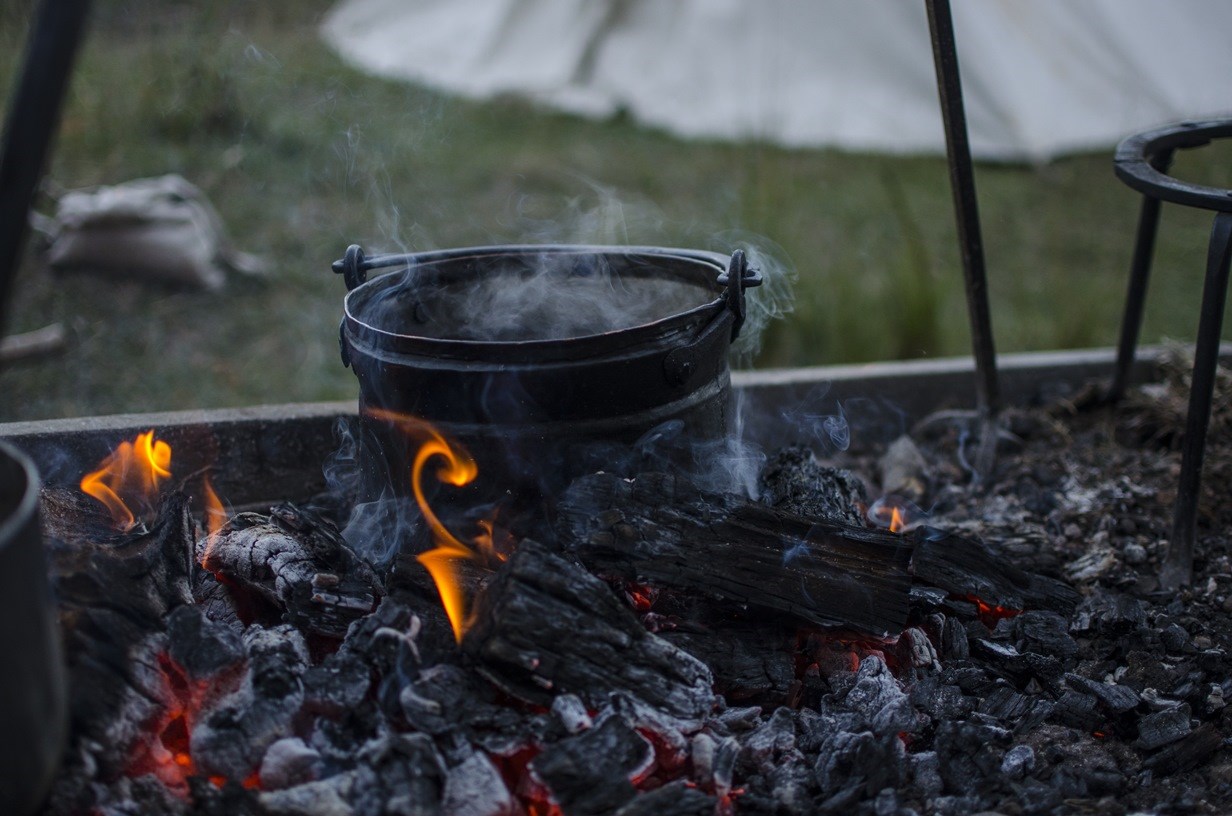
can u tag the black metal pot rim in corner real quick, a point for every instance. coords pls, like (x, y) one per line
(728, 300)
(22, 513)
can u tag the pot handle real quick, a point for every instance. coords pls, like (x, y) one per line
(352, 267)
(681, 363)
(738, 277)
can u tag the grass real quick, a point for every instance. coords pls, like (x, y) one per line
(303, 155)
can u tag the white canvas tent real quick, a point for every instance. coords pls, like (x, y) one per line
(1041, 77)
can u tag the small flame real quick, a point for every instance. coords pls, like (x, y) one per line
(896, 514)
(130, 474)
(458, 469)
(215, 512)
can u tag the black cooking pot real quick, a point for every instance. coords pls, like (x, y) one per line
(539, 358)
(32, 690)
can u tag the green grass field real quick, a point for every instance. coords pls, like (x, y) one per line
(303, 155)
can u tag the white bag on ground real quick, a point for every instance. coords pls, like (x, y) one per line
(157, 229)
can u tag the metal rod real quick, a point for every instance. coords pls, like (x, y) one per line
(1177, 570)
(1139, 276)
(1135, 298)
(31, 125)
(962, 182)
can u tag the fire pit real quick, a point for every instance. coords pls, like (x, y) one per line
(298, 683)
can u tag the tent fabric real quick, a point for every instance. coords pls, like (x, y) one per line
(1041, 77)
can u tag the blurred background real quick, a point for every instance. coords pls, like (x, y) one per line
(302, 154)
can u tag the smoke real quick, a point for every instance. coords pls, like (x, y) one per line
(374, 529)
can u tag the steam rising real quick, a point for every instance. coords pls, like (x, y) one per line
(534, 296)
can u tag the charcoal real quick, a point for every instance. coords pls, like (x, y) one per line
(702, 748)
(1044, 632)
(399, 775)
(739, 719)
(590, 773)
(1077, 710)
(724, 768)
(475, 788)
(544, 626)
(200, 646)
(675, 799)
(877, 697)
(298, 561)
(338, 684)
(926, 597)
(1004, 704)
(442, 698)
(209, 799)
(915, 651)
(1188, 752)
(1162, 728)
(1038, 711)
(570, 712)
(1018, 762)
(925, 774)
(763, 748)
(233, 737)
(851, 766)
(661, 530)
(791, 784)
(1109, 613)
(1174, 638)
(941, 701)
(287, 763)
(1113, 697)
(793, 480)
(970, 753)
(903, 469)
(747, 663)
(324, 797)
(954, 643)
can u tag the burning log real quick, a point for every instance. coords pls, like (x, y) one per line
(112, 637)
(661, 530)
(544, 626)
(298, 561)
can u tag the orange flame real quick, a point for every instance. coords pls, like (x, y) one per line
(130, 473)
(896, 521)
(215, 512)
(458, 469)
(895, 514)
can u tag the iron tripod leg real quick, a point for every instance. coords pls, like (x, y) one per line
(1177, 569)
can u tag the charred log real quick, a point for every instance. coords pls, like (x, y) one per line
(968, 568)
(297, 560)
(544, 625)
(661, 530)
(114, 590)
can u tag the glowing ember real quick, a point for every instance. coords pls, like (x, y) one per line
(129, 476)
(458, 469)
(989, 614)
(168, 757)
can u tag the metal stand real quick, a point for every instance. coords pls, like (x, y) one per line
(31, 123)
(1142, 162)
(966, 209)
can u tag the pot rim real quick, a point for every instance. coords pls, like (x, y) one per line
(27, 505)
(385, 340)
